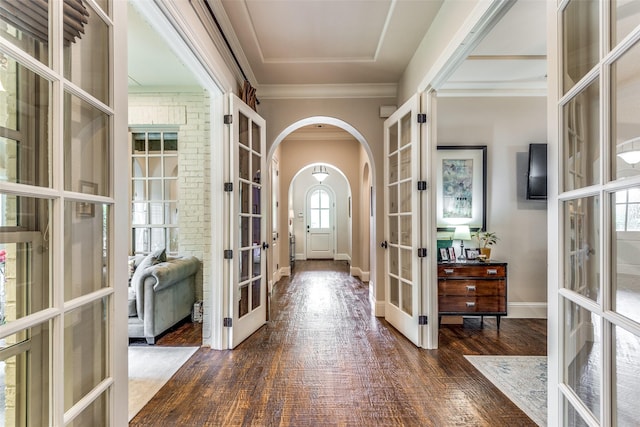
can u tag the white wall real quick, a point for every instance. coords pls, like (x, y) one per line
(507, 126)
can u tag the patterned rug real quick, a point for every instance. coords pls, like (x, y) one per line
(523, 379)
(150, 367)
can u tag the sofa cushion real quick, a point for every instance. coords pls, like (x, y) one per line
(132, 302)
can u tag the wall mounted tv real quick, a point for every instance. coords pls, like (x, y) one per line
(537, 173)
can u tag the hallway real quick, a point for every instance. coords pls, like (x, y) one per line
(323, 359)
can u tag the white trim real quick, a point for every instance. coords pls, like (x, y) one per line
(527, 310)
(324, 91)
(453, 91)
(358, 272)
(342, 257)
(285, 271)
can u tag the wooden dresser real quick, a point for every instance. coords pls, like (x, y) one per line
(472, 289)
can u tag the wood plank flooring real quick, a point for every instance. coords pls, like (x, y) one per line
(324, 360)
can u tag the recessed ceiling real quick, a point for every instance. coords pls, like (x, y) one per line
(329, 41)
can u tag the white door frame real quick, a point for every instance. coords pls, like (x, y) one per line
(332, 219)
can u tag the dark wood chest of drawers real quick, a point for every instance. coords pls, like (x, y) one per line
(472, 289)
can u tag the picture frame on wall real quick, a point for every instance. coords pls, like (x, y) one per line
(444, 254)
(461, 186)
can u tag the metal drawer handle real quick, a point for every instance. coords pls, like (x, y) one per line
(471, 304)
(492, 271)
(448, 271)
(471, 288)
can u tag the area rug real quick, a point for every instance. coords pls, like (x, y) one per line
(150, 367)
(523, 379)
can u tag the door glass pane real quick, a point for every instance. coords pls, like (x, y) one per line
(582, 354)
(24, 257)
(141, 240)
(324, 199)
(170, 189)
(625, 248)
(95, 415)
(155, 143)
(405, 163)
(243, 304)
(581, 247)
(625, 16)
(244, 264)
(393, 138)
(86, 139)
(31, 36)
(255, 172)
(244, 231)
(244, 198)
(572, 418)
(393, 261)
(155, 167)
(243, 164)
(86, 234)
(170, 166)
(255, 294)
(324, 219)
(405, 259)
(173, 242)
(170, 142)
(257, 206)
(243, 129)
(405, 130)
(255, 137)
(405, 196)
(394, 291)
(625, 121)
(580, 23)
(405, 230)
(139, 167)
(155, 213)
(393, 168)
(85, 350)
(393, 230)
(581, 149)
(314, 218)
(25, 373)
(626, 369)
(24, 125)
(256, 258)
(407, 298)
(157, 238)
(393, 199)
(82, 66)
(256, 237)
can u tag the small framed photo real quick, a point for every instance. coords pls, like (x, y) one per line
(452, 254)
(472, 253)
(444, 254)
(87, 209)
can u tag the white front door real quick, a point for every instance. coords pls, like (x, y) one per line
(247, 231)
(402, 215)
(320, 223)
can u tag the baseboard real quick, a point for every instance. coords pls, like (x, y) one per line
(527, 310)
(342, 257)
(379, 308)
(357, 272)
(284, 271)
(301, 257)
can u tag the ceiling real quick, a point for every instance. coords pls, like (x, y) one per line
(324, 42)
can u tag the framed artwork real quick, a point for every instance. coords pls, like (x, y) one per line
(461, 186)
(472, 253)
(452, 253)
(444, 254)
(87, 209)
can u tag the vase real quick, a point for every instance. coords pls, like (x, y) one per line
(486, 252)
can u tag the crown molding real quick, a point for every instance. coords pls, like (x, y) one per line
(312, 91)
(495, 89)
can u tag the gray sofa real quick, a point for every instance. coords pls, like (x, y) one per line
(160, 294)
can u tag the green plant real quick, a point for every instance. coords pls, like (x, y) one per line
(485, 238)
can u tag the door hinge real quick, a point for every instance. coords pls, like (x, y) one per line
(422, 185)
(227, 322)
(228, 187)
(228, 119)
(228, 254)
(422, 252)
(422, 118)
(423, 320)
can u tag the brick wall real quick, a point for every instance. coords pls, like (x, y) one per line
(189, 111)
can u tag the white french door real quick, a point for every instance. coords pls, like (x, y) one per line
(247, 233)
(320, 224)
(402, 215)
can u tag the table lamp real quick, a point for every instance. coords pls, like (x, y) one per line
(463, 233)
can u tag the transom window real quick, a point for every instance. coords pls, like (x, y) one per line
(154, 190)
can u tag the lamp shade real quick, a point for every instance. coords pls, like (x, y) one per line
(320, 173)
(462, 232)
(629, 151)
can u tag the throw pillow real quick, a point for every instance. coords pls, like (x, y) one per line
(159, 255)
(132, 267)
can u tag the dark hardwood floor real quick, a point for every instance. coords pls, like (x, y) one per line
(324, 359)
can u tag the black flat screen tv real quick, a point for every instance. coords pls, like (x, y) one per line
(537, 172)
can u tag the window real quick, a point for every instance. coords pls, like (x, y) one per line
(154, 190)
(319, 209)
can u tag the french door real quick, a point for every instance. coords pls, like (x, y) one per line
(403, 281)
(247, 226)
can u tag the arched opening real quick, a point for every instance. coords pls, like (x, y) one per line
(329, 141)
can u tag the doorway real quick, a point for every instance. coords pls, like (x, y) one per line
(320, 213)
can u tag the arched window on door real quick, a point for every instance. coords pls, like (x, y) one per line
(319, 209)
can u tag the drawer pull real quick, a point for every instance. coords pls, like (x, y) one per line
(492, 271)
(471, 288)
(448, 271)
(471, 304)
